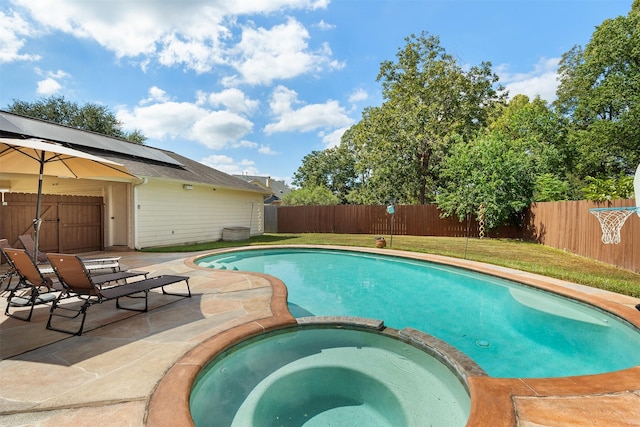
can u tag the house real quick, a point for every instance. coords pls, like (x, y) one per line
(172, 200)
(277, 188)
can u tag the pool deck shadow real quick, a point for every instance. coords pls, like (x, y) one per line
(135, 369)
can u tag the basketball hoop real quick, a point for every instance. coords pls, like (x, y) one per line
(612, 220)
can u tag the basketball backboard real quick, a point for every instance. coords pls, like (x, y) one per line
(612, 219)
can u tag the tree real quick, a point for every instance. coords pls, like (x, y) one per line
(535, 129)
(332, 168)
(549, 188)
(599, 91)
(604, 189)
(310, 196)
(378, 173)
(429, 101)
(489, 171)
(89, 117)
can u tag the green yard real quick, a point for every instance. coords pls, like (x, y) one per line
(524, 256)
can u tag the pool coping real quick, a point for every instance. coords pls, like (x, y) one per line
(497, 401)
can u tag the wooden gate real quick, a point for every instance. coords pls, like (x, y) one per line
(70, 224)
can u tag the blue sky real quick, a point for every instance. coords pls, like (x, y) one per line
(252, 86)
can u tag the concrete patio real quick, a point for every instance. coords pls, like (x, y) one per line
(110, 374)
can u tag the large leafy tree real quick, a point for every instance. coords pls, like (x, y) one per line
(310, 196)
(380, 176)
(490, 171)
(535, 129)
(90, 117)
(600, 91)
(429, 101)
(332, 169)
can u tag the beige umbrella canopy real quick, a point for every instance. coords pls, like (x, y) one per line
(39, 157)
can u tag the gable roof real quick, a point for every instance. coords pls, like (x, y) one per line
(140, 160)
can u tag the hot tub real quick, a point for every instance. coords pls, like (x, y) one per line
(317, 375)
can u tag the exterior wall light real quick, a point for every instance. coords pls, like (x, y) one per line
(4, 190)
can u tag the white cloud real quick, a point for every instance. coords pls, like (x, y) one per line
(51, 84)
(282, 52)
(233, 100)
(217, 129)
(358, 95)
(329, 115)
(48, 87)
(228, 165)
(245, 144)
(60, 74)
(155, 95)
(332, 139)
(193, 34)
(267, 150)
(324, 25)
(542, 80)
(11, 41)
(163, 119)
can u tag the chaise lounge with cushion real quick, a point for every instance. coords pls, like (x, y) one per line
(77, 282)
(28, 291)
(33, 287)
(91, 263)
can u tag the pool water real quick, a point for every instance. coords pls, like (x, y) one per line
(510, 330)
(327, 377)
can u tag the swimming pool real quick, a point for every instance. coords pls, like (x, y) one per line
(322, 375)
(510, 330)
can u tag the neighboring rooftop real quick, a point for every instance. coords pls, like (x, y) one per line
(276, 187)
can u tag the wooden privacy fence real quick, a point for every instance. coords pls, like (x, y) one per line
(70, 224)
(569, 226)
(413, 220)
(563, 225)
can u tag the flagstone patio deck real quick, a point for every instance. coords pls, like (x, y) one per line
(127, 368)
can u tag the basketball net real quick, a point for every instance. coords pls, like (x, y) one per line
(611, 221)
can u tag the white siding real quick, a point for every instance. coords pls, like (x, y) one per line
(167, 214)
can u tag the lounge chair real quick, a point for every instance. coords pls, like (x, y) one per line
(33, 287)
(78, 282)
(7, 276)
(92, 263)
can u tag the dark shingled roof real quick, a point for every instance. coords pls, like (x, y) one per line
(140, 160)
(190, 172)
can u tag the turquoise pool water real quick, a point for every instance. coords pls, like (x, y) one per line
(508, 329)
(327, 377)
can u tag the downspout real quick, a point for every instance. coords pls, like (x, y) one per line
(136, 209)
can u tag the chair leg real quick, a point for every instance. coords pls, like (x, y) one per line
(32, 302)
(187, 295)
(8, 277)
(146, 302)
(83, 310)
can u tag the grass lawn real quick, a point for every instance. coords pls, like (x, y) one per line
(525, 256)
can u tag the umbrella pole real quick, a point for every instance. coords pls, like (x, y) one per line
(37, 221)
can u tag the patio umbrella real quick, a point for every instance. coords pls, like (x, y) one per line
(36, 156)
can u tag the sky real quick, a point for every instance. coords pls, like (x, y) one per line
(253, 86)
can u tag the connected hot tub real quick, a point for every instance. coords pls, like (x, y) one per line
(319, 375)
